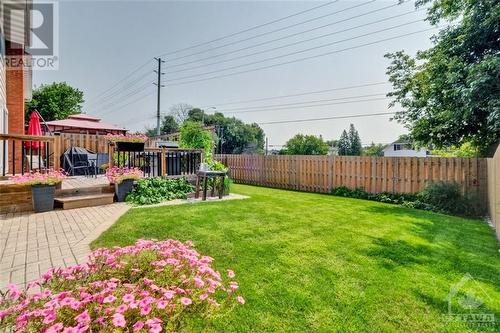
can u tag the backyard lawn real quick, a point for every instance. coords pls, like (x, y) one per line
(318, 263)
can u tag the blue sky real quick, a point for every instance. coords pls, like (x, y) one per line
(101, 42)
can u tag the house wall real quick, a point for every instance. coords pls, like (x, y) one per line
(3, 96)
(390, 152)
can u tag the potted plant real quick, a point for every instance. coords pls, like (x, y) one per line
(43, 188)
(128, 142)
(123, 179)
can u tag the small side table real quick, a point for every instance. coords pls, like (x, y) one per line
(203, 177)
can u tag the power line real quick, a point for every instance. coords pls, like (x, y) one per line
(327, 118)
(298, 94)
(117, 107)
(295, 52)
(125, 93)
(119, 81)
(115, 85)
(130, 94)
(304, 58)
(248, 29)
(311, 106)
(270, 32)
(292, 35)
(298, 103)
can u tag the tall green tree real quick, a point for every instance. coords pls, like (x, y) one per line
(234, 136)
(355, 147)
(168, 126)
(450, 93)
(344, 144)
(302, 144)
(55, 101)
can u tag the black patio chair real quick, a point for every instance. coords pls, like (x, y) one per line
(77, 165)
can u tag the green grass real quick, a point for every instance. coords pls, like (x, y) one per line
(318, 263)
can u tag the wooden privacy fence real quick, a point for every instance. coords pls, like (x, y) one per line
(95, 143)
(373, 174)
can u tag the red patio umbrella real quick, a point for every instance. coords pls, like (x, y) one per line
(34, 128)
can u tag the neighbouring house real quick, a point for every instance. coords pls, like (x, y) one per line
(403, 149)
(83, 124)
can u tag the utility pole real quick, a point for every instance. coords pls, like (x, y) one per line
(159, 86)
(267, 146)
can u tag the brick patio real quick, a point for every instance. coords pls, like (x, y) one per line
(31, 243)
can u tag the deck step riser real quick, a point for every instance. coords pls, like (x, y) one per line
(80, 201)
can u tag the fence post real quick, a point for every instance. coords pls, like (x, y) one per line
(111, 153)
(163, 162)
(57, 146)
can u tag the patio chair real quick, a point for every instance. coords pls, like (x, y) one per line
(78, 165)
(34, 163)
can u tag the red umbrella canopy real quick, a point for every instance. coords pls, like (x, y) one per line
(34, 128)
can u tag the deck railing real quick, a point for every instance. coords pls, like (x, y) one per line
(21, 154)
(159, 161)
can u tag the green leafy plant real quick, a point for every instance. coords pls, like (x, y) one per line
(155, 190)
(195, 137)
(442, 197)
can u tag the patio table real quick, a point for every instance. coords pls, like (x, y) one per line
(204, 176)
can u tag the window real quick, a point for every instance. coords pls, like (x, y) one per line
(398, 146)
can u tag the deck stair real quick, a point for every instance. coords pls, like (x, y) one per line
(84, 197)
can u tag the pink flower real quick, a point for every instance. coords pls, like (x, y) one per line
(240, 299)
(145, 309)
(83, 318)
(54, 328)
(121, 308)
(109, 299)
(230, 274)
(169, 294)
(161, 304)
(119, 320)
(186, 301)
(138, 326)
(127, 298)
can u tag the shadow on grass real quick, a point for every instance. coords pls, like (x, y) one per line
(450, 244)
(396, 253)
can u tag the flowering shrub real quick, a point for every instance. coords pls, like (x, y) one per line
(50, 177)
(116, 175)
(127, 137)
(152, 286)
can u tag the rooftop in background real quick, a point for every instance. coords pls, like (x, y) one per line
(83, 123)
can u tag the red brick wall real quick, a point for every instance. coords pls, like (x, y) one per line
(15, 102)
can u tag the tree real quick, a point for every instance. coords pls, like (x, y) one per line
(305, 145)
(180, 112)
(355, 147)
(168, 126)
(55, 101)
(193, 136)
(344, 144)
(374, 150)
(450, 93)
(234, 136)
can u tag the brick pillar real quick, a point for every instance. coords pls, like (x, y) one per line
(15, 100)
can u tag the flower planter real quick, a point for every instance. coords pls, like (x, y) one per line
(43, 197)
(130, 146)
(123, 188)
